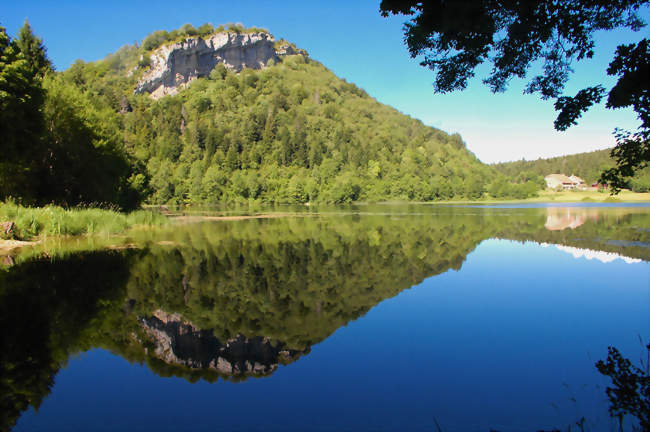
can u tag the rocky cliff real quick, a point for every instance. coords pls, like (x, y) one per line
(173, 66)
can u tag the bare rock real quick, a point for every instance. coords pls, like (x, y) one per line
(173, 66)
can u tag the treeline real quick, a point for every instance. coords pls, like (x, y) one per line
(57, 146)
(292, 132)
(588, 166)
(161, 37)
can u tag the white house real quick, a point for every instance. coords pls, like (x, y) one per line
(555, 180)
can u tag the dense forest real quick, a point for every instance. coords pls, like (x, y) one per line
(57, 146)
(587, 165)
(291, 132)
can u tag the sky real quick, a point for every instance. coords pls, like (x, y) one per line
(356, 43)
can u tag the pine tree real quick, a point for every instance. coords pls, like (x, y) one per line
(21, 122)
(32, 48)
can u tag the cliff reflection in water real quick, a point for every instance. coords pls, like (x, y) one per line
(234, 300)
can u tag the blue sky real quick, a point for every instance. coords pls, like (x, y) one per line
(354, 41)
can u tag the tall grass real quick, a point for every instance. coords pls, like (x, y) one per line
(53, 220)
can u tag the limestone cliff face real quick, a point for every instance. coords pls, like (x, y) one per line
(178, 341)
(173, 66)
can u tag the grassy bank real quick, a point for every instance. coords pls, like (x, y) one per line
(625, 196)
(33, 222)
(594, 196)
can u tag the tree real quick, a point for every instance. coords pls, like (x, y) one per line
(56, 145)
(32, 48)
(21, 121)
(457, 36)
(630, 391)
(83, 163)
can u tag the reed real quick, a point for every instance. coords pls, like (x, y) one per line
(32, 222)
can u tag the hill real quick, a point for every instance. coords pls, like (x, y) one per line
(231, 114)
(588, 165)
(224, 114)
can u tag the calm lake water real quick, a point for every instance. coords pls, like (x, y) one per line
(357, 318)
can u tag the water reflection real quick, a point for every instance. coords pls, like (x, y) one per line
(558, 219)
(604, 257)
(234, 300)
(178, 342)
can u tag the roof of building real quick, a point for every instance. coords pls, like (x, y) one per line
(559, 177)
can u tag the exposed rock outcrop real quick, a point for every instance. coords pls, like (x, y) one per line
(178, 341)
(173, 66)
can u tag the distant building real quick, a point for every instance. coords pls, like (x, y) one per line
(596, 185)
(578, 182)
(560, 180)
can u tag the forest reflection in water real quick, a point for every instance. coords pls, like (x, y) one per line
(234, 300)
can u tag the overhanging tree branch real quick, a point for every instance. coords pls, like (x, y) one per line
(455, 37)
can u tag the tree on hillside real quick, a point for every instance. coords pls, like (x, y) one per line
(32, 48)
(84, 162)
(56, 147)
(21, 121)
(454, 37)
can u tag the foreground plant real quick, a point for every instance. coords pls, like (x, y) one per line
(630, 391)
(31, 222)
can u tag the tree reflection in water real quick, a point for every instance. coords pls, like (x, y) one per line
(234, 300)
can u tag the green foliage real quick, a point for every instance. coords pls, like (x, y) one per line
(21, 122)
(630, 391)
(33, 50)
(52, 220)
(632, 153)
(455, 38)
(162, 37)
(59, 144)
(84, 160)
(59, 293)
(640, 183)
(588, 166)
(292, 280)
(292, 132)
(145, 61)
(205, 29)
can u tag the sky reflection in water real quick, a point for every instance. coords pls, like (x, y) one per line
(498, 331)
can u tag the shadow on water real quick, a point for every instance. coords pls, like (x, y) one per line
(234, 300)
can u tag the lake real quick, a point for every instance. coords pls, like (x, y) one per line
(384, 317)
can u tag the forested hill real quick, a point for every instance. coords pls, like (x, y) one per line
(217, 115)
(289, 132)
(588, 165)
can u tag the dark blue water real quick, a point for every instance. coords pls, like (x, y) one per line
(496, 326)
(508, 342)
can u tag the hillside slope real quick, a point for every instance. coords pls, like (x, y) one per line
(291, 131)
(588, 165)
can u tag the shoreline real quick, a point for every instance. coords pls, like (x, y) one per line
(7, 246)
(199, 218)
(555, 199)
